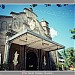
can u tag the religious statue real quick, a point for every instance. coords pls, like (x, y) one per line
(15, 61)
(44, 60)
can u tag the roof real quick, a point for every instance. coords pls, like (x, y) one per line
(61, 59)
(4, 16)
(45, 21)
(34, 40)
(30, 11)
(60, 56)
(17, 13)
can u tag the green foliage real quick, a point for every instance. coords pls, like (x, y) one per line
(73, 32)
(59, 66)
(69, 56)
(4, 66)
(73, 37)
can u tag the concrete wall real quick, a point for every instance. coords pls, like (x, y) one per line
(4, 25)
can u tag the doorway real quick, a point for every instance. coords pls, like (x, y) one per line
(31, 61)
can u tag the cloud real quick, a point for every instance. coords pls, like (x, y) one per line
(53, 32)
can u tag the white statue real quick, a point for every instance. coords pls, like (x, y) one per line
(44, 60)
(15, 61)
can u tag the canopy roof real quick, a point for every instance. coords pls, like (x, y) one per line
(34, 40)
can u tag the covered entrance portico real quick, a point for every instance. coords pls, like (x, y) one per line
(29, 51)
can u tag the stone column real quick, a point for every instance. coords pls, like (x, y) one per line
(39, 60)
(47, 60)
(25, 56)
(6, 52)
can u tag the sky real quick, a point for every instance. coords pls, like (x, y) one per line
(61, 19)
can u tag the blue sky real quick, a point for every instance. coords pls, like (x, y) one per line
(61, 19)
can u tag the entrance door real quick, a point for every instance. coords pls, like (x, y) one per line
(31, 61)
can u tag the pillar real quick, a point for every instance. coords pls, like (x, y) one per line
(25, 56)
(6, 52)
(47, 60)
(39, 60)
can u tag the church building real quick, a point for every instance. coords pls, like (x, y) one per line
(26, 43)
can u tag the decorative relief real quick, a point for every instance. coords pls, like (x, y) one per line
(15, 61)
(3, 26)
(32, 25)
(16, 25)
(44, 60)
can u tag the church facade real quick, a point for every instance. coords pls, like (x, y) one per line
(26, 43)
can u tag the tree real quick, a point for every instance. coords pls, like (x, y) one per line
(69, 56)
(73, 33)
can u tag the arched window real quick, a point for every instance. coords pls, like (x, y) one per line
(3, 25)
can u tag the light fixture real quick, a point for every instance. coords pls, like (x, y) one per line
(26, 37)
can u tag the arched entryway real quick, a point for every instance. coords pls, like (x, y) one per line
(31, 61)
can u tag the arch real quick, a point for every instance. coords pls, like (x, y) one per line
(4, 25)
